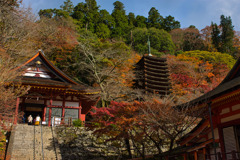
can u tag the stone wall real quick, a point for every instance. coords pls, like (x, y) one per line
(79, 143)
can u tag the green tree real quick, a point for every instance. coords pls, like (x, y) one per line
(154, 18)
(139, 37)
(102, 31)
(53, 13)
(131, 19)
(169, 23)
(92, 14)
(46, 13)
(67, 6)
(105, 23)
(141, 21)
(222, 35)
(79, 13)
(106, 18)
(161, 41)
(227, 34)
(87, 14)
(120, 18)
(215, 36)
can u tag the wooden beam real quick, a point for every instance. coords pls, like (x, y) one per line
(196, 133)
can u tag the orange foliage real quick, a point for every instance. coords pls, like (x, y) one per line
(191, 76)
(126, 78)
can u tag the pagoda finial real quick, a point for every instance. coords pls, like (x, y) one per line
(149, 47)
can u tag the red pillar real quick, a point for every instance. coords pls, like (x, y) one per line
(204, 153)
(16, 111)
(63, 109)
(44, 110)
(195, 155)
(80, 111)
(185, 156)
(50, 113)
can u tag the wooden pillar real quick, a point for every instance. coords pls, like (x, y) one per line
(80, 111)
(63, 109)
(221, 140)
(185, 156)
(204, 153)
(16, 111)
(195, 155)
(44, 110)
(50, 113)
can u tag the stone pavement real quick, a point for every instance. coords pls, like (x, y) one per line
(26, 144)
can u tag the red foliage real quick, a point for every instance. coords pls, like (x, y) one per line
(191, 76)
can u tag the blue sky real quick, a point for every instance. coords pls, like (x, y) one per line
(199, 13)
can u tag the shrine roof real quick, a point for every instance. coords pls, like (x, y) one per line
(48, 75)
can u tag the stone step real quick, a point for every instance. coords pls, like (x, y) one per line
(23, 143)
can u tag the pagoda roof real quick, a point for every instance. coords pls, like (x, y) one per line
(153, 75)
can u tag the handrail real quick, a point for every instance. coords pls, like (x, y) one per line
(42, 140)
(34, 139)
(55, 149)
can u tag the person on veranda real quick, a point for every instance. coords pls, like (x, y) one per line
(38, 119)
(30, 119)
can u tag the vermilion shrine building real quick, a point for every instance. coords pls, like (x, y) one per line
(52, 93)
(219, 132)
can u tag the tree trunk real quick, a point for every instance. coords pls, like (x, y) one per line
(128, 148)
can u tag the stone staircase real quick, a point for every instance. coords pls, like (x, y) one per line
(26, 143)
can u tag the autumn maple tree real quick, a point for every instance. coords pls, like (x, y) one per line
(194, 73)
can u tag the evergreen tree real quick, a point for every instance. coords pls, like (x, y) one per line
(106, 18)
(79, 12)
(131, 19)
(227, 34)
(120, 18)
(87, 14)
(104, 24)
(67, 6)
(141, 21)
(169, 23)
(154, 18)
(222, 36)
(92, 14)
(215, 36)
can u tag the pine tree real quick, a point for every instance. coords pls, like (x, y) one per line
(227, 34)
(222, 36)
(67, 6)
(120, 18)
(154, 18)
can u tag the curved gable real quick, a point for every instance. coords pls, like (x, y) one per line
(40, 66)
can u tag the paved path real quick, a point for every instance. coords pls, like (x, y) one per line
(26, 144)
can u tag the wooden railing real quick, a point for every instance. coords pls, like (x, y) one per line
(64, 121)
(234, 155)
